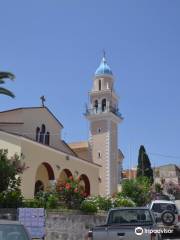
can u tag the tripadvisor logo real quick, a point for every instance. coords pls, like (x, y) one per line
(138, 231)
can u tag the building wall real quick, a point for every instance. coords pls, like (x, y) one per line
(100, 145)
(62, 226)
(113, 157)
(35, 154)
(27, 120)
(42, 116)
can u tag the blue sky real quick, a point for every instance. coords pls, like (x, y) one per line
(54, 47)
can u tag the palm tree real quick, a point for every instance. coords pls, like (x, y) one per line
(4, 90)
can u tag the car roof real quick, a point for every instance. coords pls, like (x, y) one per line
(2, 221)
(130, 208)
(163, 201)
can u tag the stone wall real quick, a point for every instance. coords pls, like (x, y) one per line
(64, 226)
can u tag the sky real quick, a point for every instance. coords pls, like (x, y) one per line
(54, 47)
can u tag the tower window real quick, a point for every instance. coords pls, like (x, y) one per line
(96, 105)
(99, 84)
(99, 154)
(98, 130)
(103, 105)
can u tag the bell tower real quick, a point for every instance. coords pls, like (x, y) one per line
(104, 117)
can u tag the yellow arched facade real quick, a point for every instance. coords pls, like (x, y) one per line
(46, 164)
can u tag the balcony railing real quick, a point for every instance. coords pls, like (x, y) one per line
(94, 111)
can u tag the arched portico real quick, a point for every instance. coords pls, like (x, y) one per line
(44, 175)
(65, 173)
(85, 184)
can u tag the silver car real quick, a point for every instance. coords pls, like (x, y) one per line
(166, 214)
(127, 224)
(12, 230)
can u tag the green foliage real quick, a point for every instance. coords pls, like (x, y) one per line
(11, 199)
(144, 165)
(5, 91)
(158, 188)
(71, 192)
(48, 200)
(88, 206)
(52, 201)
(138, 190)
(120, 201)
(99, 203)
(32, 203)
(9, 171)
(104, 203)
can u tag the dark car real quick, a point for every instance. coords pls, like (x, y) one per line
(12, 230)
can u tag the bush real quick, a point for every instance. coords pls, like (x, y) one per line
(138, 190)
(104, 203)
(43, 200)
(158, 188)
(88, 206)
(122, 202)
(11, 199)
(46, 199)
(71, 193)
(32, 203)
(52, 201)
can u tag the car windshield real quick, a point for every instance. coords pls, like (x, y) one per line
(161, 207)
(12, 232)
(130, 217)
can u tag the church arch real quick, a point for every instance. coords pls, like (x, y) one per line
(39, 186)
(65, 173)
(44, 175)
(85, 184)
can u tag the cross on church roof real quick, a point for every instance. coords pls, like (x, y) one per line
(42, 100)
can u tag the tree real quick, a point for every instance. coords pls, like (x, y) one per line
(144, 165)
(138, 190)
(10, 168)
(5, 91)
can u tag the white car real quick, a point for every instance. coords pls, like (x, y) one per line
(166, 214)
(13, 230)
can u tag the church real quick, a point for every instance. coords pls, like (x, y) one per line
(34, 133)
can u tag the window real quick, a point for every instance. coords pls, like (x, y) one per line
(99, 154)
(96, 105)
(99, 84)
(98, 130)
(43, 129)
(37, 133)
(103, 105)
(47, 138)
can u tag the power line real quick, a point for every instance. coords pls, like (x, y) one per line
(165, 156)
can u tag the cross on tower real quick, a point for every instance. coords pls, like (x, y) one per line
(43, 100)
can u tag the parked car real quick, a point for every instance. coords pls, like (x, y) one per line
(126, 224)
(13, 230)
(166, 214)
(160, 196)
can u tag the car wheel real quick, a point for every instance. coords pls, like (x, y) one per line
(168, 217)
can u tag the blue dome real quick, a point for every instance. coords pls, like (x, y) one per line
(103, 68)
